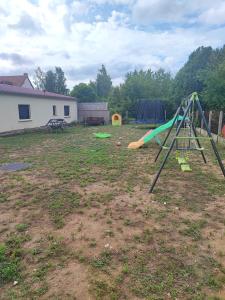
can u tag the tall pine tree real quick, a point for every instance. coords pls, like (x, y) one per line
(60, 82)
(103, 83)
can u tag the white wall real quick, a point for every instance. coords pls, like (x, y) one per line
(41, 111)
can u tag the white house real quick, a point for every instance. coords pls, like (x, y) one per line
(26, 107)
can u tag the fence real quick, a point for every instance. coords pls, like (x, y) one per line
(216, 123)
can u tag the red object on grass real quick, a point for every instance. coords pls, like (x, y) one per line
(223, 131)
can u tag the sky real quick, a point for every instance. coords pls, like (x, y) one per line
(80, 36)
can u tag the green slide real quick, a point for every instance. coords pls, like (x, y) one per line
(152, 134)
(160, 129)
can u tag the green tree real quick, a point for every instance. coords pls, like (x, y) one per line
(50, 82)
(190, 78)
(118, 102)
(214, 92)
(103, 83)
(84, 92)
(146, 85)
(60, 82)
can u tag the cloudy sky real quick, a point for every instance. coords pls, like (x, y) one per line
(81, 35)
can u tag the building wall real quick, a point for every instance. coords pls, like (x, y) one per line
(41, 110)
(93, 106)
(27, 84)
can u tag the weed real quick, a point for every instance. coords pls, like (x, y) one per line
(194, 229)
(103, 260)
(102, 289)
(21, 227)
(127, 222)
(62, 203)
(3, 198)
(41, 272)
(109, 232)
(9, 266)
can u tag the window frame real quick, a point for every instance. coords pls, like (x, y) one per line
(65, 115)
(29, 112)
(54, 110)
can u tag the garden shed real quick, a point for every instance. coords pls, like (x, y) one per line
(93, 110)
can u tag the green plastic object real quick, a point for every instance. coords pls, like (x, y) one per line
(181, 160)
(102, 135)
(185, 168)
(160, 129)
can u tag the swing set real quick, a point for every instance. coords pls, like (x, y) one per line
(186, 138)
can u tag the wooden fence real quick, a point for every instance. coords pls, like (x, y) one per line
(216, 122)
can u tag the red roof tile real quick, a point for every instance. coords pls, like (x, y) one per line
(13, 80)
(10, 89)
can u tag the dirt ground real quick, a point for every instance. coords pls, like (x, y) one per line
(80, 223)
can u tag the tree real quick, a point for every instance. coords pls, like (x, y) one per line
(190, 77)
(214, 92)
(60, 82)
(50, 82)
(118, 103)
(103, 83)
(146, 85)
(84, 92)
(39, 79)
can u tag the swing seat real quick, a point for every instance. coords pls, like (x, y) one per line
(185, 168)
(181, 160)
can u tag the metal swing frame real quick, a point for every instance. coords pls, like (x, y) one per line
(192, 101)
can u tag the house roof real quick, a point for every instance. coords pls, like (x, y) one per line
(93, 106)
(15, 90)
(17, 80)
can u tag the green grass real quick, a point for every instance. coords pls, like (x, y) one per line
(62, 203)
(103, 260)
(21, 227)
(193, 229)
(102, 290)
(82, 193)
(9, 266)
(3, 198)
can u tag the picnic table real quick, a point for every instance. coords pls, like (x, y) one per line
(56, 124)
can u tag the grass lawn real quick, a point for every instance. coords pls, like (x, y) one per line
(80, 223)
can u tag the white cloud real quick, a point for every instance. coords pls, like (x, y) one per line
(80, 47)
(151, 11)
(214, 15)
(98, 18)
(115, 2)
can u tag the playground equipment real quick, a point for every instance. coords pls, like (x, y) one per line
(189, 140)
(150, 112)
(102, 135)
(153, 134)
(116, 120)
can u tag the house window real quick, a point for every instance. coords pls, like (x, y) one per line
(66, 111)
(54, 112)
(24, 111)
